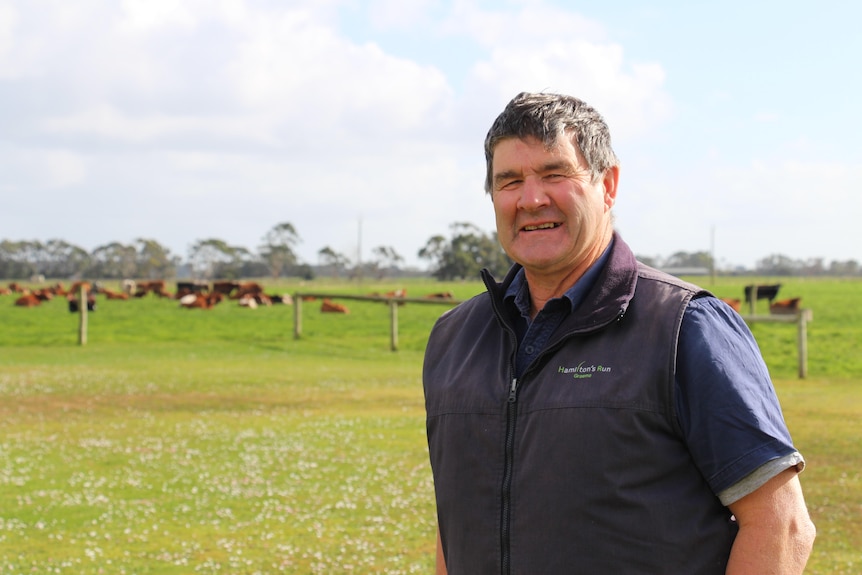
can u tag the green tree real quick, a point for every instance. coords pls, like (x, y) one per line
(465, 253)
(154, 260)
(844, 268)
(778, 265)
(385, 259)
(690, 260)
(215, 258)
(114, 260)
(53, 259)
(14, 260)
(65, 260)
(277, 248)
(335, 261)
(652, 261)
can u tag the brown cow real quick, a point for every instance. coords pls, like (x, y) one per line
(78, 286)
(225, 287)
(785, 306)
(329, 306)
(155, 286)
(390, 294)
(441, 295)
(58, 289)
(44, 294)
(734, 303)
(252, 301)
(395, 294)
(286, 299)
(247, 289)
(28, 300)
(109, 294)
(200, 300)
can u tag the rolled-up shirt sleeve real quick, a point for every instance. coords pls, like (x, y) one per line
(726, 403)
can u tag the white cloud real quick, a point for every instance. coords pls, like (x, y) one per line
(301, 72)
(109, 124)
(42, 169)
(8, 25)
(542, 48)
(385, 14)
(146, 15)
(224, 117)
(63, 169)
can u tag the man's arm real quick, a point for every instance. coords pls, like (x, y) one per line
(441, 562)
(775, 532)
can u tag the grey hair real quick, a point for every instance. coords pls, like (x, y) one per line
(548, 117)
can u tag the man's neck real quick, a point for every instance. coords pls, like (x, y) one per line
(544, 288)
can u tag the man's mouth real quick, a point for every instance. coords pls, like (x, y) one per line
(548, 226)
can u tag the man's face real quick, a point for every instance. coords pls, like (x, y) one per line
(551, 218)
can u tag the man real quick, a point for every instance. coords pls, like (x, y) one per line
(590, 414)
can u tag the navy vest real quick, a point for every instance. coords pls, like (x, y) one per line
(580, 466)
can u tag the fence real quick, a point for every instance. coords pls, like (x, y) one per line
(801, 318)
(393, 302)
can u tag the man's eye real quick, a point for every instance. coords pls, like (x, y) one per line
(511, 184)
(554, 177)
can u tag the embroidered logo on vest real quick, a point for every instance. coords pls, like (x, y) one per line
(582, 371)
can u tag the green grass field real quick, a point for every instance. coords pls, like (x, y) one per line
(210, 441)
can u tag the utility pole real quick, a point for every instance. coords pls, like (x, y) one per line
(712, 253)
(359, 252)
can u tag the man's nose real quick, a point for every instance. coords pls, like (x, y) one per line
(533, 194)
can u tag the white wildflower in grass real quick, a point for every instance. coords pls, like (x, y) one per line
(177, 451)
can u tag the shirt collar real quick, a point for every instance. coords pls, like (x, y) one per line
(519, 292)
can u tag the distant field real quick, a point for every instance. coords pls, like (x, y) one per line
(188, 441)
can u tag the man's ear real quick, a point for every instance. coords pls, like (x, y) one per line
(610, 180)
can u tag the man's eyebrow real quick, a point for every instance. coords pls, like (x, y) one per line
(561, 166)
(507, 175)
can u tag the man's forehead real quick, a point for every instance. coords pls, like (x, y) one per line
(558, 147)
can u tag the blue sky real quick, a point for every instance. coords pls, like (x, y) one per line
(737, 123)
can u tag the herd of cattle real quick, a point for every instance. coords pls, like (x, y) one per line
(768, 292)
(190, 295)
(203, 295)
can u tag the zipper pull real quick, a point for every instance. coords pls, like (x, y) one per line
(513, 390)
(622, 313)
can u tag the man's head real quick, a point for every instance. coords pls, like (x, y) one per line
(548, 117)
(552, 176)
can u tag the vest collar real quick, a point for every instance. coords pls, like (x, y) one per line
(607, 300)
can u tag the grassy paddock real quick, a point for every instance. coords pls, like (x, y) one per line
(188, 441)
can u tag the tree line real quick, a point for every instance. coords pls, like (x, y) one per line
(460, 255)
(772, 265)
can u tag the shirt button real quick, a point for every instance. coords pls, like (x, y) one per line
(529, 350)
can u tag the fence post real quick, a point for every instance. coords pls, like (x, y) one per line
(297, 316)
(805, 316)
(393, 325)
(752, 299)
(82, 317)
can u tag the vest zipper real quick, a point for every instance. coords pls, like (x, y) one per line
(506, 519)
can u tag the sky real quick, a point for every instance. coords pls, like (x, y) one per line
(361, 123)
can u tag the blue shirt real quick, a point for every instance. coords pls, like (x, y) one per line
(534, 335)
(724, 399)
